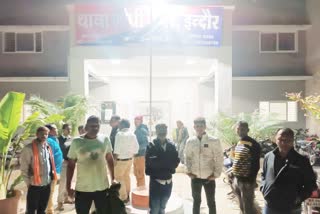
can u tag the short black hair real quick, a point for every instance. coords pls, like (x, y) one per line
(115, 117)
(64, 126)
(243, 123)
(42, 128)
(161, 128)
(124, 123)
(287, 131)
(80, 127)
(93, 118)
(200, 120)
(51, 126)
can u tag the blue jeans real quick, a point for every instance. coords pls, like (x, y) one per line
(158, 196)
(268, 210)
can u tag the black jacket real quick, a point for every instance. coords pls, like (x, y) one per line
(113, 134)
(293, 184)
(64, 148)
(161, 164)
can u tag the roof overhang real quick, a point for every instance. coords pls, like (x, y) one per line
(34, 79)
(271, 28)
(273, 78)
(32, 28)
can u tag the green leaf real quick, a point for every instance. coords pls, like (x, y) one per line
(10, 115)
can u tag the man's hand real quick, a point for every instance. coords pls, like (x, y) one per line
(114, 181)
(192, 176)
(211, 178)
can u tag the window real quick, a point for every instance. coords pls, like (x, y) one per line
(22, 42)
(281, 110)
(278, 42)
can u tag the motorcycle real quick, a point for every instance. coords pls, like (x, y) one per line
(266, 146)
(310, 149)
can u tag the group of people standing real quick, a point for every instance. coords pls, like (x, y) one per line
(287, 177)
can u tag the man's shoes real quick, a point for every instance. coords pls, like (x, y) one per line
(60, 207)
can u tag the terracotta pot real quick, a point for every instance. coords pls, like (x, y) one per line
(140, 198)
(10, 205)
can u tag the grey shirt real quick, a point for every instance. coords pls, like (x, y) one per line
(26, 166)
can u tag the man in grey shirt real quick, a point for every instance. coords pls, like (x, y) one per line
(38, 171)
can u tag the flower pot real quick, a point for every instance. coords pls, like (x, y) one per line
(10, 205)
(140, 198)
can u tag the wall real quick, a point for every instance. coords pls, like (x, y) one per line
(313, 57)
(52, 62)
(50, 91)
(247, 94)
(249, 12)
(247, 61)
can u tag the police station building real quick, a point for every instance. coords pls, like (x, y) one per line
(181, 59)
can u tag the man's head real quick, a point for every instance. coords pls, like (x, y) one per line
(138, 120)
(179, 124)
(161, 131)
(66, 129)
(92, 126)
(124, 124)
(114, 121)
(42, 133)
(242, 128)
(199, 125)
(285, 139)
(81, 130)
(53, 131)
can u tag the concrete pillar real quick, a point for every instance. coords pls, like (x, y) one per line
(78, 77)
(223, 88)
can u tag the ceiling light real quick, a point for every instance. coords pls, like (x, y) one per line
(115, 61)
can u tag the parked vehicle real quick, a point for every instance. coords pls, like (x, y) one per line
(227, 165)
(266, 146)
(310, 149)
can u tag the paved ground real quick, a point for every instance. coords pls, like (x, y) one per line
(181, 189)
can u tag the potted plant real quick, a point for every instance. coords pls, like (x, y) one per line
(10, 115)
(12, 136)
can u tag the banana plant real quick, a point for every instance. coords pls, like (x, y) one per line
(261, 127)
(10, 115)
(12, 136)
(69, 109)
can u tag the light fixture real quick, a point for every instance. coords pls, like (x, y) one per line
(115, 61)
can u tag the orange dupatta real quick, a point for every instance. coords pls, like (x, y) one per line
(36, 163)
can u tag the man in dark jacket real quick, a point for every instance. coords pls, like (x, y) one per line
(161, 162)
(141, 133)
(114, 123)
(287, 177)
(64, 143)
(245, 168)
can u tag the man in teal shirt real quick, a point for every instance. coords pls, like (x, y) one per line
(92, 152)
(58, 159)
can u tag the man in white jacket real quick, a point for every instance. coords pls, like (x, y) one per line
(204, 161)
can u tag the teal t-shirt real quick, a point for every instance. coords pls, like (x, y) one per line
(90, 155)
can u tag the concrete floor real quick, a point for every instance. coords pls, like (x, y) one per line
(181, 194)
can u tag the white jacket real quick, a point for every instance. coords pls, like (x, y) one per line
(204, 158)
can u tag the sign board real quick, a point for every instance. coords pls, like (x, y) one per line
(173, 24)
